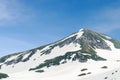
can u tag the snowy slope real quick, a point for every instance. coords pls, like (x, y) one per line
(71, 72)
(113, 54)
(66, 58)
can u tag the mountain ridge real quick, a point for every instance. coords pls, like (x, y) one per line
(81, 47)
(87, 39)
(108, 38)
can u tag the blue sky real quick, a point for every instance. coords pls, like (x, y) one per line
(26, 24)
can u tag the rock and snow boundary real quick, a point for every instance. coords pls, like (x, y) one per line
(72, 58)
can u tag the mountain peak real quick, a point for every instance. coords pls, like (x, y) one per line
(80, 46)
(82, 29)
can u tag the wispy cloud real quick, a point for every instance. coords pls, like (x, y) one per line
(107, 20)
(12, 11)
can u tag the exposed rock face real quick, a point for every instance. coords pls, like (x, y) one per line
(69, 56)
(3, 75)
(88, 41)
(92, 39)
(19, 57)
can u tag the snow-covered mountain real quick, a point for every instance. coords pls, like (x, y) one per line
(84, 55)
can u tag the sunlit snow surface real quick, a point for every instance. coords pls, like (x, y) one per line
(96, 70)
(70, 71)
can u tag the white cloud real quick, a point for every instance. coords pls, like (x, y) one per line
(12, 11)
(106, 20)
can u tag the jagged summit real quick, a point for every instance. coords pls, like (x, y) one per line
(79, 47)
(81, 30)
